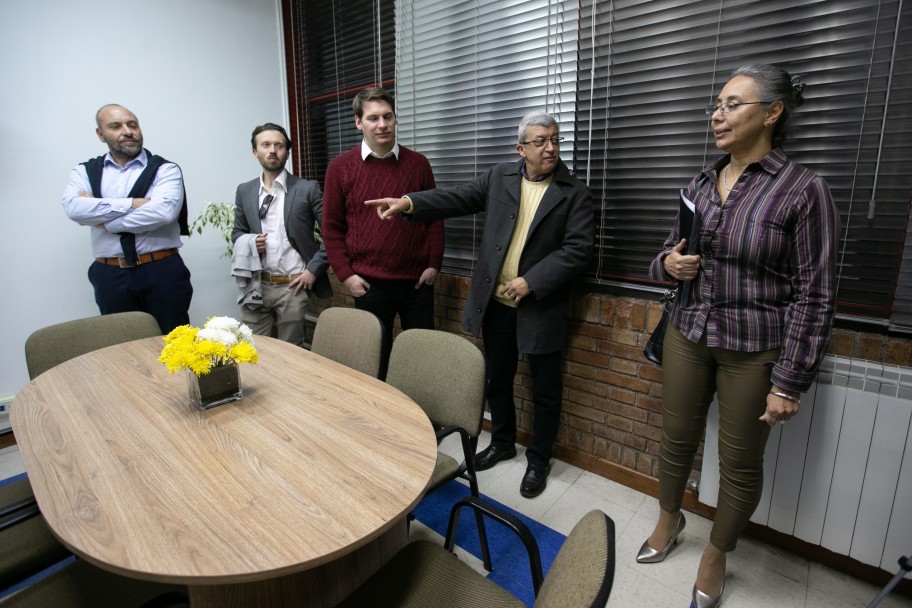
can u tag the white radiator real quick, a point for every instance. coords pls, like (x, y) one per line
(839, 474)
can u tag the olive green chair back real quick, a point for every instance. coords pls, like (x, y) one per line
(50, 346)
(425, 574)
(351, 337)
(443, 373)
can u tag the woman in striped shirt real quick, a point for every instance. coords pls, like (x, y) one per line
(756, 323)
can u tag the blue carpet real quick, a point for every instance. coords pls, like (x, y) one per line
(37, 577)
(508, 555)
(3, 482)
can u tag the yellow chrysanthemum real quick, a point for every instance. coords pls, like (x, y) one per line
(181, 332)
(210, 349)
(200, 366)
(171, 360)
(184, 348)
(243, 352)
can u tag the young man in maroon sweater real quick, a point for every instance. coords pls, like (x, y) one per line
(388, 267)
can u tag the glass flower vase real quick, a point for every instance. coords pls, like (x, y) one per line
(220, 386)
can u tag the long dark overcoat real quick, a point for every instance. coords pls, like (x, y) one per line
(558, 247)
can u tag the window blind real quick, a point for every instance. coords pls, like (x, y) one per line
(657, 63)
(466, 73)
(628, 80)
(338, 48)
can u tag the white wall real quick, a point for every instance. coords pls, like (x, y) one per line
(199, 75)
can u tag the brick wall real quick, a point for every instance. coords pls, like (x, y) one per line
(612, 395)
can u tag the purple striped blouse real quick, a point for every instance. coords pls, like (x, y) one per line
(768, 270)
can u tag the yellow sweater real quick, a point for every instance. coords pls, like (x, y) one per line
(530, 197)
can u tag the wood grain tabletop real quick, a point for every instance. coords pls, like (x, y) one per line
(314, 462)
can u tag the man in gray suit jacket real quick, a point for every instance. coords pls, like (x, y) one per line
(281, 210)
(538, 235)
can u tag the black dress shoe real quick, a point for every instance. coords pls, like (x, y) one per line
(535, 480)
(491, 455)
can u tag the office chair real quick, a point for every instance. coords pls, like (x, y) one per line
(351, 337)
(426, 574)
(445, 375)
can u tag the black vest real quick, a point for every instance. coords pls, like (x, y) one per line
(95, 168)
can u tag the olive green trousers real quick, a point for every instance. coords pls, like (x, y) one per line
(692, 374)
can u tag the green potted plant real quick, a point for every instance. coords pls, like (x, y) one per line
(219, 216)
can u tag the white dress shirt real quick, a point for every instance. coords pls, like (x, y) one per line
(280, 257)
(155, 223)
(366, 151)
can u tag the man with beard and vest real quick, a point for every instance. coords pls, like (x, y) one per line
(135, 205)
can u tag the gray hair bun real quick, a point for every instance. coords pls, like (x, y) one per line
(797, 88)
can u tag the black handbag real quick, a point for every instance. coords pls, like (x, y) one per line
(689, 224)
(653, 349)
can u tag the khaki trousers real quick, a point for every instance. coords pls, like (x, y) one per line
(281, 314)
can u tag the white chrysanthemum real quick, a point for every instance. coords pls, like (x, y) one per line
(245, 333)
(222, 323)
(222, 336)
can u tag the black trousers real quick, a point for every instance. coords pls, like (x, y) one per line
(386, 299)
(502, 357)
(160, 288)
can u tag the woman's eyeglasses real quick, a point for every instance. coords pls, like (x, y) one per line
(731, 106)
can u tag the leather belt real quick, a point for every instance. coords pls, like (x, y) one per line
(278, 279)
(145, 258)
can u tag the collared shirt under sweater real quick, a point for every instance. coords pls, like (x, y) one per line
(357, 241)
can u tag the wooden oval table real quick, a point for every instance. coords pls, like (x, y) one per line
(290, 496)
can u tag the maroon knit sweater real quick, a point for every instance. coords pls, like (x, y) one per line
(359, 242)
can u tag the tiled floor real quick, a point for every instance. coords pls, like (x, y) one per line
(758, 575)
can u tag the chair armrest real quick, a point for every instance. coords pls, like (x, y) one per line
(17, 512)
(468, 445)
(445, 431)
(510, 521)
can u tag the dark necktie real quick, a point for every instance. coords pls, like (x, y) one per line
(264, 208)
(128, 244)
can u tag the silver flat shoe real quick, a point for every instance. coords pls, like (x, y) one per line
(704, 600)
(648, 555)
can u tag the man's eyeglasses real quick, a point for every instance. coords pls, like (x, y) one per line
(264, 208)
(731, 106)
(539, 142)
